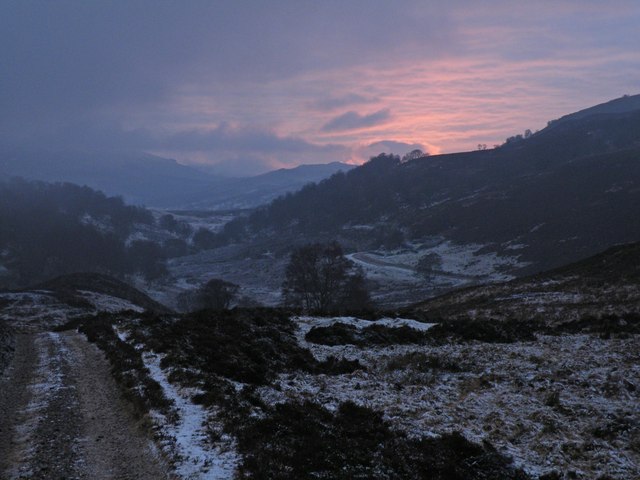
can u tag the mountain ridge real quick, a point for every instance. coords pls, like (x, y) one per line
(154, 181)
(626, 103)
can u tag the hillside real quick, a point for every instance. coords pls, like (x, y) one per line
(623, 104)
(55, 229)
(75, 285)
(56, 302)
(605, 284)
(564, 193)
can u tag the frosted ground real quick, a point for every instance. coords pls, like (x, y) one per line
(185, 439)
(392, 275)
(569, 403)
(566, 403)
(32, 310)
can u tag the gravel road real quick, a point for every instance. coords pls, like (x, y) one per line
(61, 416)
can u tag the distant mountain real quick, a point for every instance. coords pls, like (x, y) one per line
(250, 192)
(564, 193)
(139, 178)
(153, 181)
(607, 283)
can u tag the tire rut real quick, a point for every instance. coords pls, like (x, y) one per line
(63, 416)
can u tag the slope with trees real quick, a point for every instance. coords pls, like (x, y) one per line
(55, 229)
(563, 193)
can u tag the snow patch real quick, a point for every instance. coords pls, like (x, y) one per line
(35, 310)
(543, 298)
(396, 280)
(466, 260)
(107, 303)
(307, 323)
(503, 393)
(197, 458)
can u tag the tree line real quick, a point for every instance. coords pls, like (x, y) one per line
(53, 229)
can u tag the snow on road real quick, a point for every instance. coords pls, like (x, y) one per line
(63, 416)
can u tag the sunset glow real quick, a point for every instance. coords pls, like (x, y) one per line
(250, 89)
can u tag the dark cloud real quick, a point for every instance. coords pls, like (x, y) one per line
(332, 103)
(71, 56)
(113, 74)
(157, 74)
(353, 121)
(228, 138)
(229, 148)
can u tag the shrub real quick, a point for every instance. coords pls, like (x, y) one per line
(127, 365)
(245, 345)
(304, 440)
(421, 362)
(490, 331)
(344, 334)
(335, 334)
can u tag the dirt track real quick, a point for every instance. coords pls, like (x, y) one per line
(61, 416)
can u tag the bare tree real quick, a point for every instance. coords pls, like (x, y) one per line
(413, 154)
(320, 279)
(216, 294)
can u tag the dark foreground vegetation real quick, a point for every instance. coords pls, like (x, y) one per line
(344, 334)
(244, 345)
(305, 440)
(127, 366)
(445, 331)
(212, 350)
(7, 344)
(462, 330)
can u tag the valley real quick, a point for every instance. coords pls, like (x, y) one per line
(535, 378)
(468, 316)
(303, 240)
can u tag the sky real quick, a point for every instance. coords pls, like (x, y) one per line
(244, 87)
